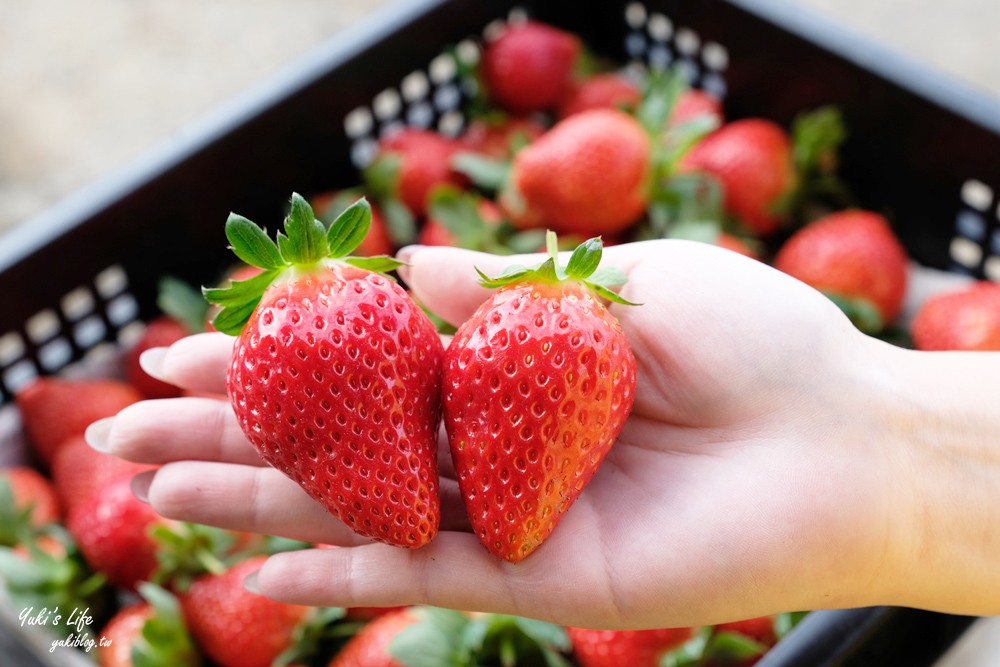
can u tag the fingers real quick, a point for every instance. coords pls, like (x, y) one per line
(196, 363)
(453, 571)
(176, 429)
(262, 500)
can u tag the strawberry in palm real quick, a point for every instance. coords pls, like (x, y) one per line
(537, 386)
(335, 375)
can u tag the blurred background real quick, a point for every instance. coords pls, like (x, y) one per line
(87, 86)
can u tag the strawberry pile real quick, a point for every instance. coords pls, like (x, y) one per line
(340, 380)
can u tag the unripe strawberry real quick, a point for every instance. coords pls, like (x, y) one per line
(537, 386)
(335, 374)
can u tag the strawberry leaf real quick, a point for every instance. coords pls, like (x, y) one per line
(785, 623)
(183, 303)
(230, 320)
(486, 173)
(663, 89)
(862, 312)
(399, 221)
(816, 136)
(605, 293)
(241, 291)
(458, 211)
(585, 259)
(378, 264)
(432, 641)
(164, 640)
(733, 647)
(305, 242)
(251, 243)
(349, 229)
(382, 175)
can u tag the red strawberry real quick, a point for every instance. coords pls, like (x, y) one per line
(161, 332)
(335, 375)
(760, 629)
(419, 160)
(625, 648)
(854, 258)
(529, 67)
(376, 241)
(237, 628)
(736, 244)
(150, 633)
(370, 647)
(753, 161)
(498, 139)
(79, 471)
(965, 319)
(696, 103)
(53, 409)
(537, 385)
(589, 174)
(31, 492)
(601, 91)
(113, 530)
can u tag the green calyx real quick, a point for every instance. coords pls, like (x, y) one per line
(164, 640)
(304, 244)
(583, 267)
(862, 312)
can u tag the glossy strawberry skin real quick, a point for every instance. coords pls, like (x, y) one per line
(965, 319)
(625, 648)
(588, 175)
(55, 409)
(752, 159)
(112, 530)
(852, 254)
(370, 647)
(237, 628)
(424, 161)
(335, 380)
(601, 91)
(537, 386)
(530, 66)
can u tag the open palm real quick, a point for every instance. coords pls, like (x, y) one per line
(733, 490)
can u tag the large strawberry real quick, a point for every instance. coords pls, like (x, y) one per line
(148, 634)
(964, 319)
(590, 174)
(54, 409)
(335, 374)
(237, 628)
(625, 648)
(537, 385)
(854, 258)
(529, 67)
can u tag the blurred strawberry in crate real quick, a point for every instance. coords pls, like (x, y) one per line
(625, 648)
(370, 647)
(79, 471)
(150, 633)
(500, 138)
(529, 66)
(854, 258)
(590, 174)
(53, 409)
(330, 205)
(27, 502)
(692, 104)
(964, 319)
(601, 91)
(237, 628)
(466, 220)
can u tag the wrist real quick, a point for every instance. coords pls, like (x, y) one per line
(942, 433)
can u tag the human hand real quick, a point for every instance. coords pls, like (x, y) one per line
(758, 472)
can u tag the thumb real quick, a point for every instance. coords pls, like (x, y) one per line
(445, 279)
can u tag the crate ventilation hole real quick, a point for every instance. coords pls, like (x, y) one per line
(54, 337)
(433, 98)
(975, 248)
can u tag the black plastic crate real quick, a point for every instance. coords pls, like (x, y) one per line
(921, 148)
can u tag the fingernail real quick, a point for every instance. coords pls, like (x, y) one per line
(141, 483)
(250, 583)
(404, 255)
(151, 361)
(98, 434)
